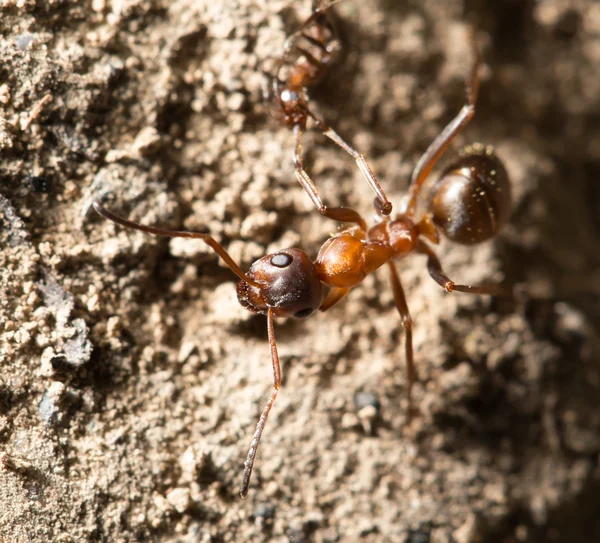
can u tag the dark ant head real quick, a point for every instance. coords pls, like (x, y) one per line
(292, 105)
(289, 283)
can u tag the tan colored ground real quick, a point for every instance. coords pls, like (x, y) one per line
(130, 379)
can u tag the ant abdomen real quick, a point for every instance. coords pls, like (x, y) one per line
(471, 200)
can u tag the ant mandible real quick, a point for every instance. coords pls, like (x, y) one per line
(307, 54)
(469, 203)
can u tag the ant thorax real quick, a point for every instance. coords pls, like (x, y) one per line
(400, 235)
(347, 258)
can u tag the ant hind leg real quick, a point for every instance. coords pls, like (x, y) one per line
(434, 267)
(441, 143)
(402, 307)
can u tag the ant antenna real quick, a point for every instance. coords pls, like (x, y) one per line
(249, 464)
(164, 232)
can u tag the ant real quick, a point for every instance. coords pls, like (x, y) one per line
(468, 203)
(307, 54)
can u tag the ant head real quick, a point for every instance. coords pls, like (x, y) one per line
(289, 283)
(292, 106)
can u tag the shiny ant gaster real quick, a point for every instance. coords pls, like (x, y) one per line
(308, 53)
(468, 203)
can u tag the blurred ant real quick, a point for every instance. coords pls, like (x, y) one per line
(307, 55)
(469, 203)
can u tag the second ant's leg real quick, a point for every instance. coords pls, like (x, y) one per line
(334, 296)
(434, 267)
(382, 204)
(319, 6)
(441, 143)
(402, 306)
(249, 464)
(341, 214)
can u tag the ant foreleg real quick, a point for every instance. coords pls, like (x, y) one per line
(402, 307)
(248, 465)
(341, 214)
(334, 296)
(382, 204)
(434, 267)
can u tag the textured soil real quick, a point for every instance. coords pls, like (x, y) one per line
(130, 378)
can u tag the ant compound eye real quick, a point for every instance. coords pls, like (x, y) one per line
(281, 260)
(289, 96)
(302, 314)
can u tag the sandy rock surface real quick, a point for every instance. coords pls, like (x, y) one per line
(130, 378)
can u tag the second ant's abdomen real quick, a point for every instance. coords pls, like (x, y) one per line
(471, 201)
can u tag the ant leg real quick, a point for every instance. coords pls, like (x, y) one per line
(248, 465)
(434, 267)
(402, 307)
(382, 204)
(341, 214)
(439, 145)
(210, 241)
(317, 8)
(334, 296)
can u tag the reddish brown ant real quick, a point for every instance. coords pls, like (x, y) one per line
(307, 55)
(469, 203)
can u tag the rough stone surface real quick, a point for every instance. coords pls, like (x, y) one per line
(130, 379)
